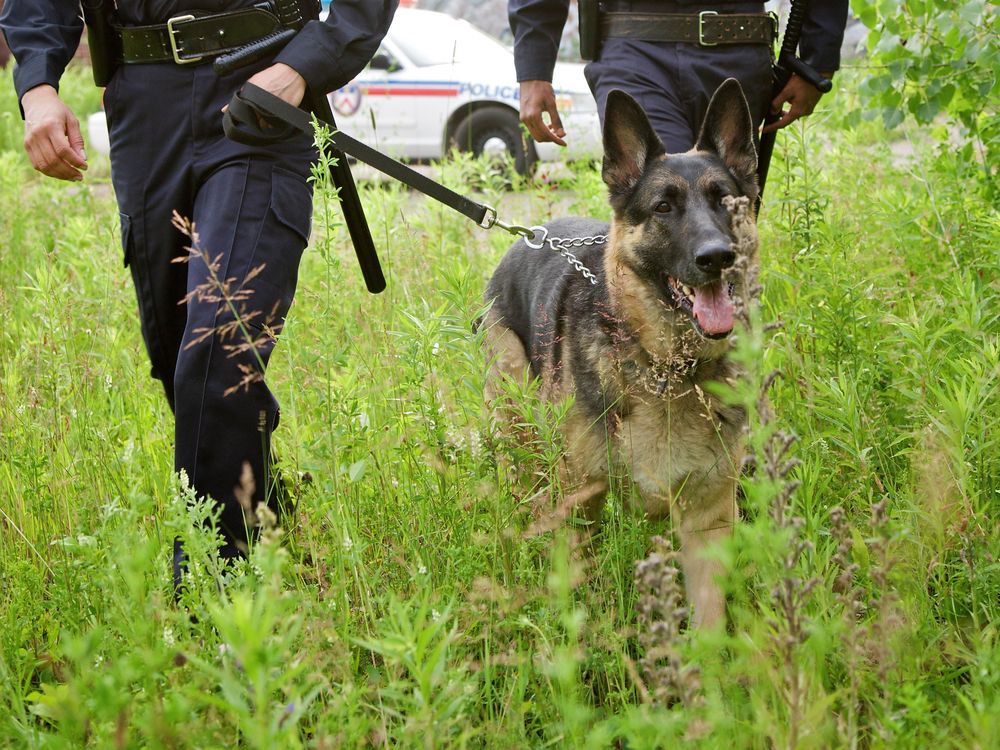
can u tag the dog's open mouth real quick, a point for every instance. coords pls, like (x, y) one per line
(710, 305)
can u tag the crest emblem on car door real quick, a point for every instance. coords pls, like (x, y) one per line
(347, 100)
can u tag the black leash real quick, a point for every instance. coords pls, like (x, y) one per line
(783, 68)
(251, 106)
(252, 102)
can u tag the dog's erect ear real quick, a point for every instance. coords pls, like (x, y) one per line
(728, 132)
(629, 143)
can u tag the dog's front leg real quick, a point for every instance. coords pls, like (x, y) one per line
(699, 532)
(584, 503)
(587, 502)
(506, 358)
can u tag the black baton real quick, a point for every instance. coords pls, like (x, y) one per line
(786, 64)
(350, 202)
(340, 170)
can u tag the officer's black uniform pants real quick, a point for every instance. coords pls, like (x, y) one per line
(674, 82)
(251, 207)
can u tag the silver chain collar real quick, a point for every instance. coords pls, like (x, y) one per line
(540, 237)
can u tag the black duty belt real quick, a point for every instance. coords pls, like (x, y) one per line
(706, 29)
(190, 39)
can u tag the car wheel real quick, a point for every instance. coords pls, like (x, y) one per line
(497, 133)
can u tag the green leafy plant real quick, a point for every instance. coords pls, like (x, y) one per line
(937, 58)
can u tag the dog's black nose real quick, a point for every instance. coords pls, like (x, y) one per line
(714, 257)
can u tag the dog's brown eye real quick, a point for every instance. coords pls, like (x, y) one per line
(662, 207)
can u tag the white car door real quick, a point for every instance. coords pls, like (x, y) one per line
(423, 72)
(396, 106)
(410, 106)
(363, 116)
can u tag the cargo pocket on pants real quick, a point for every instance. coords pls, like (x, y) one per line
(286, 234)
(291, 202)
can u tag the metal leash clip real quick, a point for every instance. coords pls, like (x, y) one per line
(490, 220)
(537, 236)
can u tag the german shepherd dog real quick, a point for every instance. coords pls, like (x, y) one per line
(635, 346)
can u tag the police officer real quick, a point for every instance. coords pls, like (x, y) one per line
(673, 80)
(251, 206)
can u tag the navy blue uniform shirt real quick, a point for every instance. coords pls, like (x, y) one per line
(43, 36)
(538, 26)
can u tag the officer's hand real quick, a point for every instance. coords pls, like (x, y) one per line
(538, 97)
(52, 135)
(801, 97)
(283, 81)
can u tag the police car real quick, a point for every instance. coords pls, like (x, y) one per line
(438, 83)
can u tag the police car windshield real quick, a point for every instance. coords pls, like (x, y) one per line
(436, 39)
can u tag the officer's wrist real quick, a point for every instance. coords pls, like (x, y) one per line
(39, 93)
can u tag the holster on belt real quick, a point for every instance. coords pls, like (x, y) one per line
(590, 29)
(295, 13)
(102, 39)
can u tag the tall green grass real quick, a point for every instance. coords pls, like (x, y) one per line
(403, 606)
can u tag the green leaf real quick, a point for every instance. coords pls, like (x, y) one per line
(879, 83)
(357, 470)
(867, 14)
(888, 41)
(891, 116)
(859, 550)
(926, 111)
(945, 95)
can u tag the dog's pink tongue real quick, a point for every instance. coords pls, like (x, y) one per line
(713, 308)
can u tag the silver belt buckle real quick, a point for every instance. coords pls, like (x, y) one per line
(171, 32)
(775, 25)
(701, 28)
